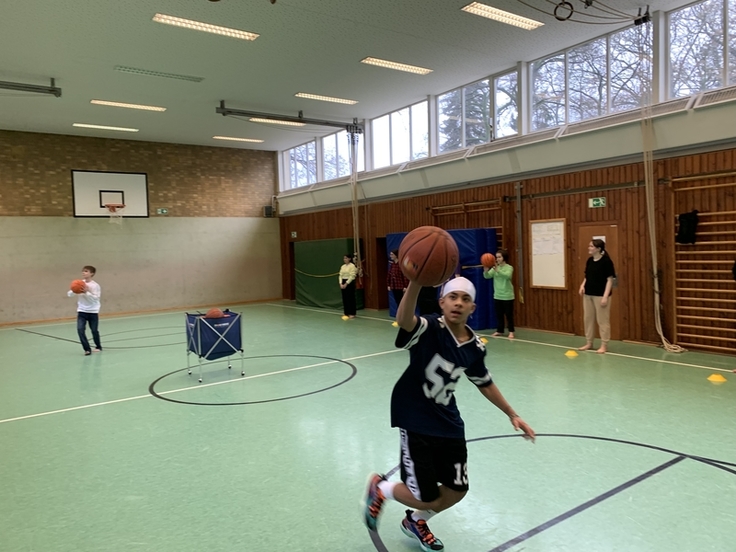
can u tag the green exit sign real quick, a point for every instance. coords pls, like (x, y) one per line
(162, 211)
(596, 202)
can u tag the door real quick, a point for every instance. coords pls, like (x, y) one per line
(609, 234)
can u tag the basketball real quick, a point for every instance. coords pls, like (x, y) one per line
(428, 255)
(488, 260)
(214, 313)
(78, 286)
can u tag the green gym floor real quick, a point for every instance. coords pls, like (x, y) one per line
(636, 449)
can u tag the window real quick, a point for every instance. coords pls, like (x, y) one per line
(302, 165)
(477, 113)
(731, 31)
(401, 136)
(548, 92)
(630, 53)
(336, 155)
(419, 130)
(382, 142)
(329, 157)
(696, 42)
(587, 81)
(449, 119)
(608, 74)
(464, 116)
(506, 104)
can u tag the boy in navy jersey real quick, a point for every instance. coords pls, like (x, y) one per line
(434, 455)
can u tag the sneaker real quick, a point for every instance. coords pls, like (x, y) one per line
(373, 501)
(97, 350)
(420, 530)
(87, 353)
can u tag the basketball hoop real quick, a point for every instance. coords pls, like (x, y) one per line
(116, 212)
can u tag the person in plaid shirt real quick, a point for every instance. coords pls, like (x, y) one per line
(396, 280)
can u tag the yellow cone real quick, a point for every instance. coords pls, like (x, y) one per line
(716, 378)
(344, 317)
(395, 324)
(483, 340)
(571, 354)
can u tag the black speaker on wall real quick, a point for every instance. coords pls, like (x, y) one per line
(268, 211)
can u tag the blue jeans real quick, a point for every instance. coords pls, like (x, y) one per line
(93, 318)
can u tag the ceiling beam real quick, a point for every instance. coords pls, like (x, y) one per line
(36, 89)
(354, 127)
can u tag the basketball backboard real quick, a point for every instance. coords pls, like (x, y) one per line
(92, 190)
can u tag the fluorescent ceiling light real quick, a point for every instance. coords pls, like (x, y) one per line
(137, 71)
(128, 105)
(100, 127)
(275, 122)
(237, 139)
(477, 8)
(397, 66)
(206, 27)
(325, 98)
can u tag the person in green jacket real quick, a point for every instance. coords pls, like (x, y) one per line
(503, 291)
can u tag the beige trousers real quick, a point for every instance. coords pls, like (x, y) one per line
(592, 312)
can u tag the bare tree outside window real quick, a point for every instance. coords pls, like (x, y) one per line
(696, 48)
(507, 108)
(329, 157)
(731, 42)
(477, 120)
(631, 68)
(303, 165)
(587, 81)
(450, 108)
(548, 92)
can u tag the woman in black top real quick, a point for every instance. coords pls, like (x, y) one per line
(596, 291)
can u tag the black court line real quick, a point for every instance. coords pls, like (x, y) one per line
(51, 336)
(721, 464)
(608, 494)
(103, 336)
(377, 542)
(353, 372)
(679, 456)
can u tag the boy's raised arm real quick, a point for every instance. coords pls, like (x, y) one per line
(405, 316)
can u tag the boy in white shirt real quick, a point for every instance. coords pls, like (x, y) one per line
(88, 309)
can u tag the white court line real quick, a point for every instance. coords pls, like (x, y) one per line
(675, 363)
(614, 354)
(82, 407)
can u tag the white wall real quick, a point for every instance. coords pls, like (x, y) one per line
(143, 265)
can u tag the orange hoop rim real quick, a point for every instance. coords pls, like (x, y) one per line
(113, 207)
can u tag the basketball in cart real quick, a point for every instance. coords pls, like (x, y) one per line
(214, 336)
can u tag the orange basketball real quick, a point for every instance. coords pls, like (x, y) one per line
(428, 255)
(78, 286)
(214, 313)
(488, 260)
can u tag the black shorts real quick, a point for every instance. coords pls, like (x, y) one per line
(427, 461)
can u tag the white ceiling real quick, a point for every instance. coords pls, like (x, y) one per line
(312, 46)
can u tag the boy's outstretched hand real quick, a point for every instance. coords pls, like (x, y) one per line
(520, 424)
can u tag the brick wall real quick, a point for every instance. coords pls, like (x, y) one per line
(189, 181)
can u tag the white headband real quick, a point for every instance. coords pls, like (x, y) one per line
(459, 284)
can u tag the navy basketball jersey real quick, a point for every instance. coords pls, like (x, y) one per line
(423, 400)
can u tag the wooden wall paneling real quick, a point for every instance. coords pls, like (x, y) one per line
(553, 309)
(705, 317)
